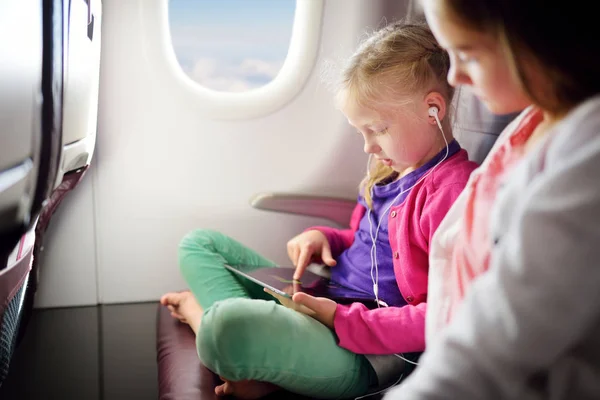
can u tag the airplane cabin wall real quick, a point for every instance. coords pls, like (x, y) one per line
(162, 168)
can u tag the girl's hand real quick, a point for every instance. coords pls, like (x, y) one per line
(289, 303)
(321, 308)
(307, 245)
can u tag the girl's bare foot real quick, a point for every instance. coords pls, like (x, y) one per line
(248, 390)
(184, 307)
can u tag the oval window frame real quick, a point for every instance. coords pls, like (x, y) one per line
(253, 103)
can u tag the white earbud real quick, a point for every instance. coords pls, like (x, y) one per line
(433, 112)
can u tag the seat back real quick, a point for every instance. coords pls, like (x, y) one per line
(81, 42)
(475, 127)
(30, 112)
(31, 94)
(81, 84)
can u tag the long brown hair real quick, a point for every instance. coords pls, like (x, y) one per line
(560, 39)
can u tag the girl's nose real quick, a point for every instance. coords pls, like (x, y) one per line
(371, 148)
(457, 77)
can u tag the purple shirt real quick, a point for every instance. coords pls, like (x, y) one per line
(353, 267)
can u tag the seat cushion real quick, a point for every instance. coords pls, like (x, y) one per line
(181, 375)
(475, 127)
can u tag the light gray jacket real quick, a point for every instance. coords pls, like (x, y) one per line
(529, 328)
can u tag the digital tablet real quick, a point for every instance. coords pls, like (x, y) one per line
(280, 280)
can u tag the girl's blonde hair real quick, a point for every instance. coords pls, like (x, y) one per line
(393, 64)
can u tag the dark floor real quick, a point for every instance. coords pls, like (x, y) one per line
(97, 353)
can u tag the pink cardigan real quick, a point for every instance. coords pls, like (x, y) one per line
(411, 225)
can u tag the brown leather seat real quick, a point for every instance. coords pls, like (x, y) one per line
(181, 375)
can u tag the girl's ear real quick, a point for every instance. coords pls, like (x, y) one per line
(435, 99)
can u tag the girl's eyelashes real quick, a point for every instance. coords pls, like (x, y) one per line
(378, 131)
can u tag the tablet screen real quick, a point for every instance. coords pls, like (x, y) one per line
(281, 281)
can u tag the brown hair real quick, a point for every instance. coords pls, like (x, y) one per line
(396, 61)
(561, 40)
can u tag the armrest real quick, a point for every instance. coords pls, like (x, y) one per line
(338, 210)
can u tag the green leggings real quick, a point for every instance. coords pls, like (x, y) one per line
(246, 334)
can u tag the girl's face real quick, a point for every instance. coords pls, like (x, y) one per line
(401, 138)
(477, 61)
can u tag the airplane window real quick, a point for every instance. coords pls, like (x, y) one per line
(231, 45)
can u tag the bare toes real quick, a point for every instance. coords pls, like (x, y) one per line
(170, 299)
(220, 390)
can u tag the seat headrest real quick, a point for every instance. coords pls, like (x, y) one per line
(475, 127)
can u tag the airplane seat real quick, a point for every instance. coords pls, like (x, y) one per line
(475, 128)
(81, 75)
(181, 374)
(31, 79)
(48, 108)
